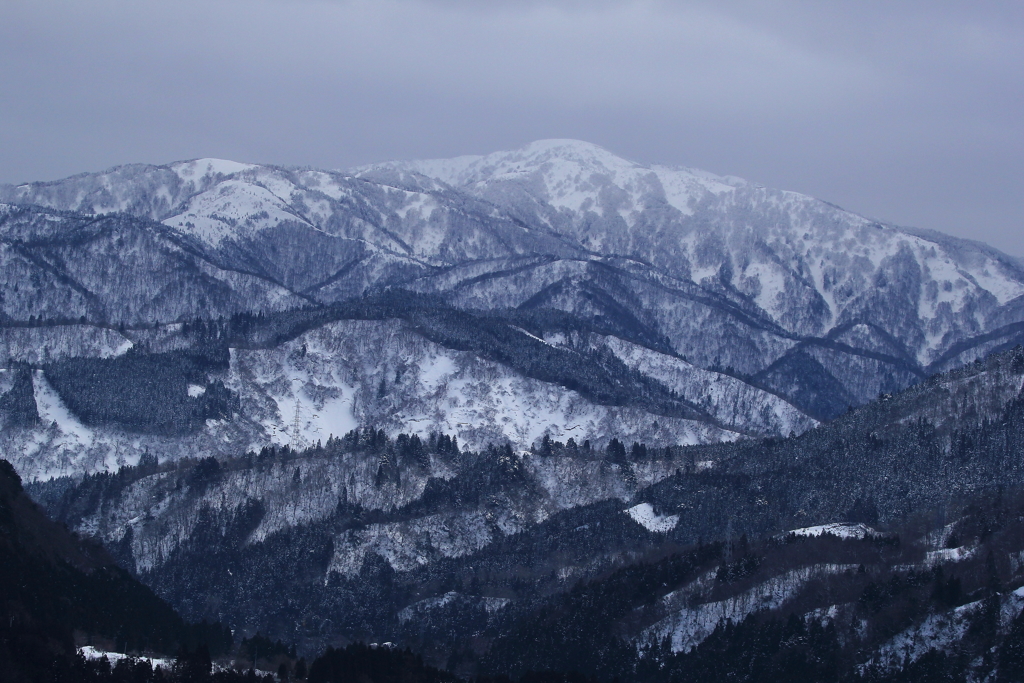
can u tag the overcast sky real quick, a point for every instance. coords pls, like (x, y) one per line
(911, 112)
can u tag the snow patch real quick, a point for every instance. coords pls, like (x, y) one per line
(53, 411)
(949, 555)
(90, 652)
(197, 169)
(644, 515)
(937, 631)
(416, 609)
(838, 529)
(999, 285)
(434, 370)
(418, 204)
(232, 209)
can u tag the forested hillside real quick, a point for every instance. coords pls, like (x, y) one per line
(618, 558)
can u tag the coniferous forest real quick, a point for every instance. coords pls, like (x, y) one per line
(916, 574)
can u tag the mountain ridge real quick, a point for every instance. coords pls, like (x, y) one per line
(691, 281)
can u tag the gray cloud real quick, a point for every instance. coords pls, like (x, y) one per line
(909, 112)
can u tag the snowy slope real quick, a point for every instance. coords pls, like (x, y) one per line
(767, 310)
(806, 265)
(349, 374)
(573, 176)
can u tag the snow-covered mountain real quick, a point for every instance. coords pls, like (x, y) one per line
(714, 307)
(798, 267)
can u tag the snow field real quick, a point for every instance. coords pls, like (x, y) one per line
(644, 515)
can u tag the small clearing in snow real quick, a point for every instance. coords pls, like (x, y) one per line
(644, 515)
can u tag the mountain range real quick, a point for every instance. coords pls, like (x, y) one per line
(553, 290)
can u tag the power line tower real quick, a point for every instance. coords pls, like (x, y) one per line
(297, 440)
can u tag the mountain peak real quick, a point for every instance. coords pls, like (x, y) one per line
(569, 174)
(197, 169)
(567, 149)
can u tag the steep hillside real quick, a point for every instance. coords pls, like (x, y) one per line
(399, 362)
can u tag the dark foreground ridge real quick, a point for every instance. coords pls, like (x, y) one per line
(58, 591)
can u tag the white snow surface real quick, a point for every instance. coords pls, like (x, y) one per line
(730, 400)
(426, 387)
(644, 515)
(573, 175)
(232, 209)
(52, 411)
(838, 529)
(942, 555)
(90, 652)
(197, 169)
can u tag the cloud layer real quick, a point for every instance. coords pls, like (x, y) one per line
(909, 112)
